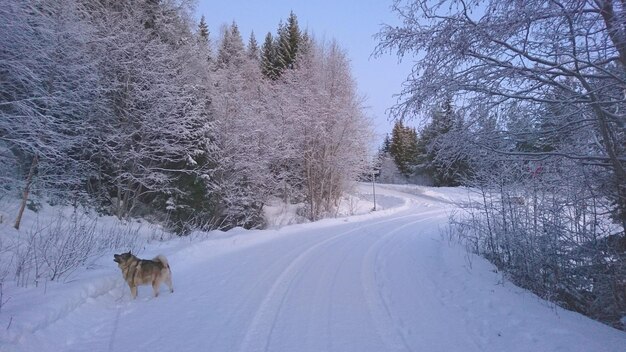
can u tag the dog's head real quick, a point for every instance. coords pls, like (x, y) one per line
(123, 258)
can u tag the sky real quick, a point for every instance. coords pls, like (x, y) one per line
(352, 24)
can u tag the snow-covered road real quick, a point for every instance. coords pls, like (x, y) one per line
(380, 282)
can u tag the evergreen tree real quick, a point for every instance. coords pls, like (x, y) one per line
(268, 58)
(386, 144)
(237, 101)
(231, 51)
(203, 30)
(403, 147)
(289, 38)
(203, 38)
(281, 53)
(152, 9)
(381, 155)
(253, 48)
(431, 152)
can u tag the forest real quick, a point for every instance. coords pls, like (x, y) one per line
(133, 109)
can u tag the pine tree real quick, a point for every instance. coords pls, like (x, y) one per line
(403, 147)
(386, 144)
(268, 58)
(289, 38)
(381, 155)
(203, 30)
(152, 8)
(281, 53)
(231, 51)
(203, 38)
(444, 171)
(253, 48)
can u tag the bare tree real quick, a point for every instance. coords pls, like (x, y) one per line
(486, 53)
(332, 128)
(541, 86)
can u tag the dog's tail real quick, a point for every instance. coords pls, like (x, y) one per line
(161, 258)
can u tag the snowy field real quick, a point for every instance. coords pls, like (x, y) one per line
(373, 281)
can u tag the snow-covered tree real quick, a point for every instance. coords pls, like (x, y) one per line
(522, 52)
(333, 130)
(281, 53)
(540, 85)
(48, 92)
(435, 157)
(204, 39)
(239, 104)
(231, 50)
(403, 148)
(252, 50)
(269, 57)
(154, 92)
(289, 39)
(203, 30)
(115, 103)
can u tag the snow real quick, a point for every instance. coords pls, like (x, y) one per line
(357, 202)
(278, 214)
(191, 161)
(375, 281)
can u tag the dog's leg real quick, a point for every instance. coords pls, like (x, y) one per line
(133, 292)
(168, 281)
(155, 287)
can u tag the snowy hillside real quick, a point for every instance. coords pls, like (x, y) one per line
(378, 281)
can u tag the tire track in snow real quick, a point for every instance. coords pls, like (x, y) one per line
(259, 333)
(330, 306)
(251, 290)
(377, 304)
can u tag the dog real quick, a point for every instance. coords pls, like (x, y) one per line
(137, 272)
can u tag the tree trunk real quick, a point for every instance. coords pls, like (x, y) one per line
(29, 181)
(616, 28)
(118, 207)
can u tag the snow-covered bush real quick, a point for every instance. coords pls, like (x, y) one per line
(53, 247)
